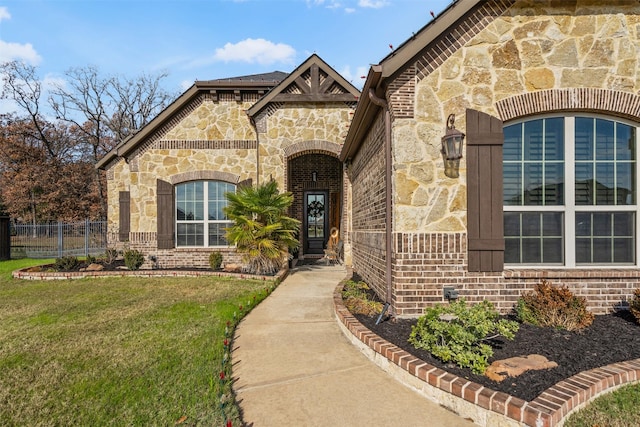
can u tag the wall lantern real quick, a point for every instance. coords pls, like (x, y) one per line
(452, 145)
(314, 176)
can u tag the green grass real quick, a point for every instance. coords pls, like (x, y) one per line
(620, 408)
(118, 351)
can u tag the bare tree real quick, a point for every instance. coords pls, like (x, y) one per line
(107, 109)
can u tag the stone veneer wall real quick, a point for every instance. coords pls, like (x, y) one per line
(508, 59)
(215, 135)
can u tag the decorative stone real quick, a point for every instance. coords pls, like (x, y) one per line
(507, 56)
(232, 268)
(94, 267)
(514, 366)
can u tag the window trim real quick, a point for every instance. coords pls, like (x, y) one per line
(205, 221)
(570, 209)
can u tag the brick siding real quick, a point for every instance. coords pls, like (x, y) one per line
(423, 263)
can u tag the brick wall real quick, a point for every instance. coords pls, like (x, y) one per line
(424, 263)
(300, 179)
(367, 173)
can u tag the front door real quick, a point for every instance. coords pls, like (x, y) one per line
(316, 221)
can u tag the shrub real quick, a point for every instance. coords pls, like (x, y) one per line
(67, 263)
(133, 259)
(634, 306)
(461, 337)
(110, 255)
(554, 306)
(215, 260)
(357, 300)
(91, 259)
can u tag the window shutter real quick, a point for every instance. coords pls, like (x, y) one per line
(485, 226)
(166, 215)
(246, 183)
(125, 216)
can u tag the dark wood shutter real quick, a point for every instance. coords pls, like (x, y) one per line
(166, 215)
(125, 216)
(5, 238)
(485, 226)
(246, 183)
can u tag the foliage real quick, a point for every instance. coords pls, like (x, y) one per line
(215, 260)
(111, 255)
(463, 337)
(554, 306)
(261, 230)
(91, 259)
(47, 166)
(67, 263)
(634, 306)
(133, 259)
(356, 298)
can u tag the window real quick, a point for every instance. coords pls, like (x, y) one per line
(570, 192)
(199, 213)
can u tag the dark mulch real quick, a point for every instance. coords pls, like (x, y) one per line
(611, 338)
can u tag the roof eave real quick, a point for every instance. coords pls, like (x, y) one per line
(427, 34)
(364, 115)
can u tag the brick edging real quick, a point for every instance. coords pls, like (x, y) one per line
(46, 275)
(474, 401)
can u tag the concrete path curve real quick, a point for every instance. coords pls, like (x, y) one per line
(292, 365)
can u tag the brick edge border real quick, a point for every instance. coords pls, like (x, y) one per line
(45, 275)
(473, 401)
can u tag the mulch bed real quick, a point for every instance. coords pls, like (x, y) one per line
(610, 339)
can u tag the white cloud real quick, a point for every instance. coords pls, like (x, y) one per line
(374, 4)
(349, 10)
(4, 13)
(355, 78)
(186, 84)
(259, 51)
(17, 51)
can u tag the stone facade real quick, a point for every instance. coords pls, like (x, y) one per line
(212, 136)
(509, 59)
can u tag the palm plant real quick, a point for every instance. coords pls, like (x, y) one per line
(261, 230)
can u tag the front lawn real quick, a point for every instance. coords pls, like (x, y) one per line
(118, 351)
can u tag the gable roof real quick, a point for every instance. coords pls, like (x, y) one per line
(396, 61)
(313, 81)
(261, 83)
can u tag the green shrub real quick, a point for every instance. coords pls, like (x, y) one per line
(133, 259)
(91, 259)
(67, 263)
(457, 333)
(634, 306)
(215, 260)
(554, 306)
(357, 300)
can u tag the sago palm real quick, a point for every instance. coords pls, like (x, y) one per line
(261, 230)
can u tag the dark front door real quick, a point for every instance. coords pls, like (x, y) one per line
(316, 221)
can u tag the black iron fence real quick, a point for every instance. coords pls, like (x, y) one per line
(58, 239)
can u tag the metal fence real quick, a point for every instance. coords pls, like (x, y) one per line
(58, 239)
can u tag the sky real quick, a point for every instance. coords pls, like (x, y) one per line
(205, 39)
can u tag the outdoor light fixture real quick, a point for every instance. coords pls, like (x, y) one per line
(452, 144)
(314, 176)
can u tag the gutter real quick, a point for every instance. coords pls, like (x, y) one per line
(380, 102)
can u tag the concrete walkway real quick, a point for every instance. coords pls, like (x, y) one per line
(293, 366)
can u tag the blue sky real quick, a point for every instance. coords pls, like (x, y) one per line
(206, 39)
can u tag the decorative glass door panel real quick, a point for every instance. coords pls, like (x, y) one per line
(316, 221)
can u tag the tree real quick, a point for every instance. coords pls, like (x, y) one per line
(107, 110)
(93, 114)
(261, 230)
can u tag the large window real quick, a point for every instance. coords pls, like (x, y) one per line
(200, 220)
(570, 192)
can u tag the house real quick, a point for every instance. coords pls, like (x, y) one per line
(547, 188)
(166, 183)
(546, 94)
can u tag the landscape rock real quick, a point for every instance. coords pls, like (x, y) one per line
(514, 366)
(94, 267)
(232, 268)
